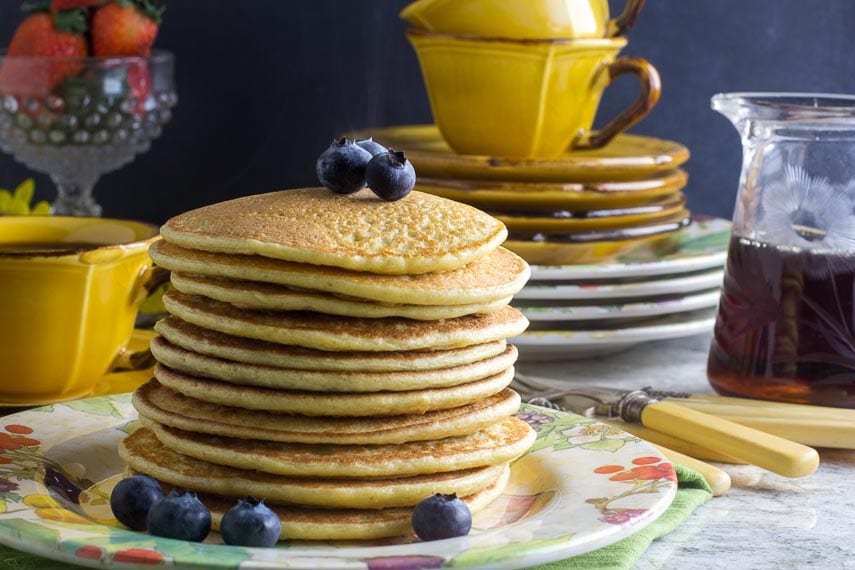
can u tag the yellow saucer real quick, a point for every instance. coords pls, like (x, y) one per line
(593, 247)
(627, 157)
(668, 212)
(556, 195)
(111, 383)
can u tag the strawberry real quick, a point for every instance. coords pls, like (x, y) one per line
(125, 28)
(59, 35)
(139, 83)
(59, 5)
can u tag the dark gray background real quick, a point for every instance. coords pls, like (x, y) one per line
(265, 84)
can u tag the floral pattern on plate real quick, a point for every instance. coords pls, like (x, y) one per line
(584, 485)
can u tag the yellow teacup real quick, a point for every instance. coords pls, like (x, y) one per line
(522, 19)
(69, 292)
(527, 98)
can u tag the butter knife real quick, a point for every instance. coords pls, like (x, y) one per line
(816, 426)
(765, 450)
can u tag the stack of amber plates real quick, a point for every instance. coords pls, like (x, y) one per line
(583, 207)
(617, 258)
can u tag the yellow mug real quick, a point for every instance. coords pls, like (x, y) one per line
(527, 98)
(69, 292)
(522, 19)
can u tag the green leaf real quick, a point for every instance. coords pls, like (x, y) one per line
(73, 21)
(96, 406)
(19, 208)
(25, 191)
(42, 208)
(5, 201)
(605, 444)
(491, 555)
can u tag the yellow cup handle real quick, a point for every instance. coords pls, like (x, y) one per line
(140, 359)
(622, 24)
(651, 89)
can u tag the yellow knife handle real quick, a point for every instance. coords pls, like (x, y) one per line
(671, 442)
(770, 452)
(718, 480)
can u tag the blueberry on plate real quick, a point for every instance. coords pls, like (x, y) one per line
(132, 498)
(390, 175)
(179, 516)
(250, 523)
(441, 516)
(341, 167)
(372, 146)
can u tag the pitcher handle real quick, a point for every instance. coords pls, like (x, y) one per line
(622, 24)
(651, 89)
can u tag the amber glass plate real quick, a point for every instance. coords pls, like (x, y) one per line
(627, 157)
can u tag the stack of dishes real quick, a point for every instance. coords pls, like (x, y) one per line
(617, 259)
(663, 289)
(585, 206)
(341, 357)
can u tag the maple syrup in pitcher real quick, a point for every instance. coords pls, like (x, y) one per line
(785, 328)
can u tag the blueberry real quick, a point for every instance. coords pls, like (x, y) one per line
(250, 523)
(341, 167)
(183, 517)
(371, 146)
(132, 498)
(390, 175)
(441, 516)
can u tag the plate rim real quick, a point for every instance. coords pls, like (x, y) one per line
(640, 307)
(536, 555)
(667, 265)
(605, 168)
(628, 334)
(670, 284)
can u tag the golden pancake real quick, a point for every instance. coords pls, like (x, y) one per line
(496, 276)
(241, 373)
(264, 296)
(306, 523)
(327, 332)
(419, 234)
(166, 406)
(252, 351)
(332, 404)
(144, 453)
(499, 443)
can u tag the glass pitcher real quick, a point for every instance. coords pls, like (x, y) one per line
(785, 328)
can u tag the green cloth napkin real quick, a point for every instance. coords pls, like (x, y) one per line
(691, 493)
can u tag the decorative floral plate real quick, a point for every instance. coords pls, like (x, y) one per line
(563, 344)
(700, 245)
(583, 485)
(621, 309)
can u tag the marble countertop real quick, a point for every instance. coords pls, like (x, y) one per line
(765, 520)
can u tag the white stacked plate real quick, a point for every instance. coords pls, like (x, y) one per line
(661, 290)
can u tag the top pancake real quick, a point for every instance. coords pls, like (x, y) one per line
(420, 233)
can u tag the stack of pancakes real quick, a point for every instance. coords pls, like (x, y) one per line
(340, 357)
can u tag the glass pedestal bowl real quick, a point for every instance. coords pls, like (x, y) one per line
(78, 118)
